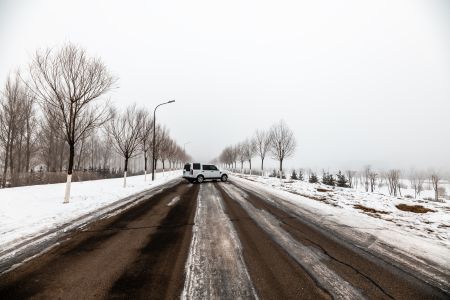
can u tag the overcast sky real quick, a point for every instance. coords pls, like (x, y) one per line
(359, 82)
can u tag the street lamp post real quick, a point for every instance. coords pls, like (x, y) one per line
(184, 146)
(154, 136)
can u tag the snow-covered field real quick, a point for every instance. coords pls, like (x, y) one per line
(26, 212)
(407, 191)
(371, 218)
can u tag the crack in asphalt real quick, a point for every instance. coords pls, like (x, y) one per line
(283, 220)
(390, 264)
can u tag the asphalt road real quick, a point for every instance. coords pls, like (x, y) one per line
(210, 241)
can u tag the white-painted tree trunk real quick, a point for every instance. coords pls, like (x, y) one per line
(124, 179)
(67, 193)
(145, 175)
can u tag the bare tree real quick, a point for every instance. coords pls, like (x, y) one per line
(166, 144)
(435, 178)
(282, 143)
(262, 142)
(393, 180)
(72, 83)
(351, 175)
(240, 151)
(146, 136)
(372, 180)
(125, 132)
(416, 180)
(249, 149)
(161, 145)
(366, 177)
(227, 156)
(12, 116)
(235, 155)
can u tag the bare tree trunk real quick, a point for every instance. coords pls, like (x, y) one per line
(5, 167)
(80, 154)
(28, 149)
(69, 173)
(19, 155)
(281, 169)
(262, 166)
(11, 158)
(61, 155)
(125, 172)
(145, 167)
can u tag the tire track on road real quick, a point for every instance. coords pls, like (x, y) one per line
(215, 268)
(89, 264)
(368, 273)
(275, 273)
(311, 261)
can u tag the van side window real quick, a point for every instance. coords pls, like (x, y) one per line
(196, 166)
(213, 168)
(206, 167)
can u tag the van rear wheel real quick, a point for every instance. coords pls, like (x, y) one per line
(224, 178)
(200, 178)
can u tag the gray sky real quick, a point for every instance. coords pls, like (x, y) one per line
(358, 81)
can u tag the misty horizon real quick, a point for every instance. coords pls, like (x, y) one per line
(359, 84)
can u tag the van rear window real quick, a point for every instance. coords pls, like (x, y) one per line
(187, 167)
(196, 166)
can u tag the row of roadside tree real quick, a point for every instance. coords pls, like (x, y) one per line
(56, 116)
(277, 142)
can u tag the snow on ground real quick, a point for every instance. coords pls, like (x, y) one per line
(26, 212)
(431, 225)
(421, 238)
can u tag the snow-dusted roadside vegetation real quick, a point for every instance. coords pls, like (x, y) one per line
(56, 121)
(426, 218)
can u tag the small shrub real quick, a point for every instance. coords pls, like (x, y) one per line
(300, 175)
(294, 175)
(342, 180)
(313, 178)
(328, 179)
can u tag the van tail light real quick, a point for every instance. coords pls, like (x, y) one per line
(192, 172)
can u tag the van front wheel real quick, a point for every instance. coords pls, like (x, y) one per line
(224, 178)
(200, 178)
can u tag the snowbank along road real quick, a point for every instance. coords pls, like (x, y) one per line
(210, 241)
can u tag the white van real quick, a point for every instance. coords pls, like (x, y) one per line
(201, 172)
